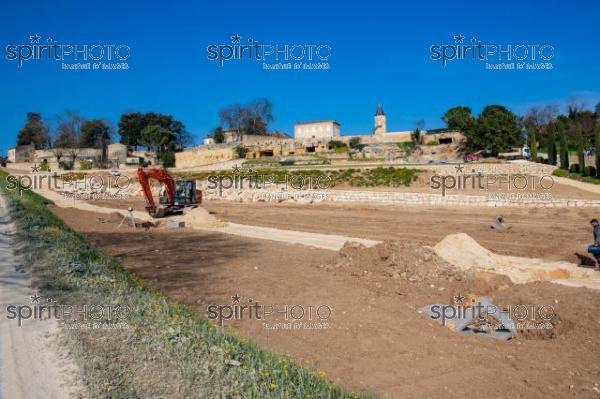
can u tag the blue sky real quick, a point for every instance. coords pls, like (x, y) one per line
(380, 53)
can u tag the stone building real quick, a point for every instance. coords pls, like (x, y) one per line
(21, 153)
(319, 130)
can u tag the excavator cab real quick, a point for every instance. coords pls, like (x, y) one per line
(185, 194)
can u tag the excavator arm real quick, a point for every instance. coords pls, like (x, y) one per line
(161, 176)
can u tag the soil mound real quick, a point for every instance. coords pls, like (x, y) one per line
(407, 261)
(200, 217)
(463, 251)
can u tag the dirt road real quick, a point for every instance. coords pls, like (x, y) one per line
(31, 365)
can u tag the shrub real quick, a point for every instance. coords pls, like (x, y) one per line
(576, 176)
(66, 165)
(338, 146)
(143, 163)
(44, 166)
(432, 143)
(574, 168)
(85, 165)
(589, 171)
(560, 173)
(406, 146)
(354, 142)
(287, 162)
(241, 151)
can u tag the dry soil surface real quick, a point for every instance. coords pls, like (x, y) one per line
(377, 340)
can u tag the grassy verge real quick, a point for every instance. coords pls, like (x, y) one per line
(388, 177)
(576, 176)
(167, 349)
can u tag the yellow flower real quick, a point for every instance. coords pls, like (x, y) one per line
(273, 386)
(322, 374)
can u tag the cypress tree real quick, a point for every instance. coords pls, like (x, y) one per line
(564, 149)
(533, 144)
(551, 145)
(580, 153)
(598, 150)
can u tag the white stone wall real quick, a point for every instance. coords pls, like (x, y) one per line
(391, 198)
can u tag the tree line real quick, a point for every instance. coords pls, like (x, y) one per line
(496, 129)
(155, 131)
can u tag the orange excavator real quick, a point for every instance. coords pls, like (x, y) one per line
(175, 195)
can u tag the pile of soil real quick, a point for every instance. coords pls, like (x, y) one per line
(398, 260)
(200, 217)
(417, 269)
(465, 253)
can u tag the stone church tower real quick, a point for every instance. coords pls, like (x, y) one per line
(380, 123)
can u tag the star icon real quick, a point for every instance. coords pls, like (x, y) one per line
(236, 169)
(35, 38)
(35, 168)
(459, 38)
(459, 168)
(459, 298)
(235, 39)
(35, 298)
(236, 298)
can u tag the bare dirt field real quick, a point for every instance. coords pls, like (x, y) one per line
(377, 340)
(553, 234)
(549, 233)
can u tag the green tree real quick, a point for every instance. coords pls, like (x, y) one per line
(415, 136)
(95, 134)
(34, 131)
(580, 143)
(458, 118)
(495, 130)
(130, 128)
(551, 144)
(533, 144)
(132, 124)
(217, 135)
(564, 148)
(241, 151)
(597, 139)
(156, 137)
